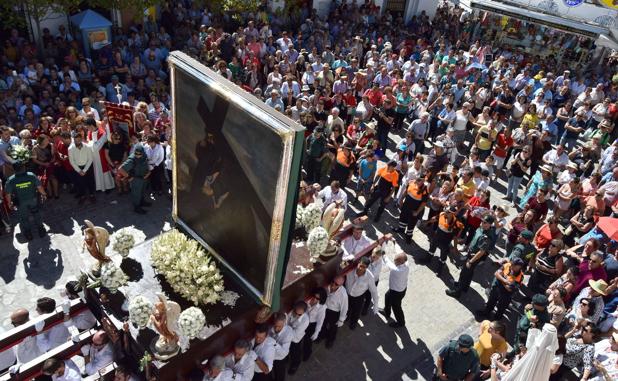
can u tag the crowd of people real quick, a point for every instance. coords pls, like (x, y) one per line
(421, 118)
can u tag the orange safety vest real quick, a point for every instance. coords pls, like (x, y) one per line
(344, 160)
(444, 224)
(392, 177)
(506, 271)
(416, 192)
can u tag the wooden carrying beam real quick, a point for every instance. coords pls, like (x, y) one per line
(232, 324)
(67, 350)
(15, 336)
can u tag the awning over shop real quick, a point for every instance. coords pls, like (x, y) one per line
(607, 41)
(551, 21)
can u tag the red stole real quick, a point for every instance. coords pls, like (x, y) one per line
(100, 133)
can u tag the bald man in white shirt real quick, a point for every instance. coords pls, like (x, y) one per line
(27, 349)
(100, 353)
(397, 285)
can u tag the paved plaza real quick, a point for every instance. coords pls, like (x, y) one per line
(374, 351)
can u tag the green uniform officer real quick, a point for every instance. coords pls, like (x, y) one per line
(23, 187)
(482, 243)
(535, 316)
(457, 360)
(136, 169)
(523, 249)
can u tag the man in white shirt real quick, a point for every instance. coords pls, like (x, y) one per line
(283, 335)
(156, 155)
(357, 283)
(556, 158)
(333, 193)
(87, 109)
(355, 243)
(242, 361)
(80, 158)
(316, 310)
(334, 120)
(284, 42)
(57, 334)
(298, 321)
(290, 85)
(264, 348)
(375, 267)
(27, 349)
(100, 353)
(85, 319)
(60, 370)
(217, 370)
(397, 285)
(336, 310)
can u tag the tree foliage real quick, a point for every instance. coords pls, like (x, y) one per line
(12, 13)
(240, 6)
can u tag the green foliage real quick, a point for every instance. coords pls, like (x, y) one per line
(135, 5)
(236, 6)
(11, 13)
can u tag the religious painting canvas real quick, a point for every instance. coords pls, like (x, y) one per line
(237, 163)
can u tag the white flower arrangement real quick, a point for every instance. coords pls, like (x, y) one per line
(123, 242)
(229, 298)
(191, 322)
(187, 268)
(140, 309)
(317, 242)
(19, 153)
(312, 216)
(299, 216)
(112, 276)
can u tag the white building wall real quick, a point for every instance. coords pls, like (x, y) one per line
(415, 7)
(52, 21)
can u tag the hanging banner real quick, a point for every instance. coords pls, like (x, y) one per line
(120, 117)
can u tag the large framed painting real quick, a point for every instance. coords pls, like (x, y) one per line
(236, 172)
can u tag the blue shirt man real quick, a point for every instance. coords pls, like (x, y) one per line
(112, 94)
(550, 126)
(367, 168)
(6, 141)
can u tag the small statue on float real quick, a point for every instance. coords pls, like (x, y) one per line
(96, 239)
(164, 317)
(332, 220)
